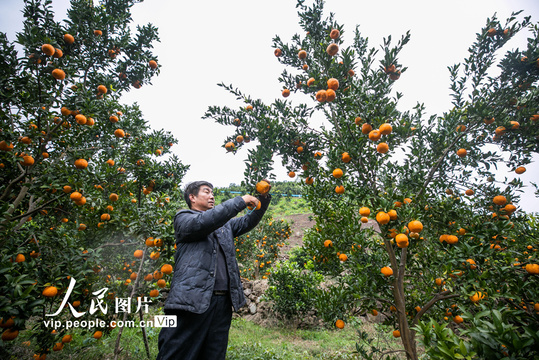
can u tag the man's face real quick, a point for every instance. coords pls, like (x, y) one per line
(204, 200)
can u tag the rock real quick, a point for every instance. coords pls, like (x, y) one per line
(247, 292)
(252, 308)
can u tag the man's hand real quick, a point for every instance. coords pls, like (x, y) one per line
(250, 200)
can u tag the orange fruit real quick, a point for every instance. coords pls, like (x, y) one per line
(50, 291)
(337, 173)
(415, 226)
(382, 218)
(462, 152)
(364, 211)
(310, 82)
(458, 319)
(27, 160)
(401, 240)
(469, 192)
(346, 157)
(262, 187)
(20, 258)
(67, 339)
(291, 174)
(339, 324)
(439, 282)
(451, 239)
(48, 49)
(302, 54)
(333, 84)
(332, 49)
(382, 148)
(133, 276)
(239, 139)
(69, 39)
(321, 95)
(520, 170)
(113, 197)
(229, 146)
(330, 95)
(385, 129)
(154, 293)
(277, 52)
(491, 32)
(343, 257)
(334, 34)
(81, 119)
(10, 334)
(75, 196)
(499, 200)
(339, 189)
(119, 133)
(161, 283)
(473, 266)
(138, 254)
(98, 335)
(113, 118)
(532, 269)
(386, 271)
(364, 219)
(328, 243)
(105, 217)
(58, 74)
(309, 180)
(286, 93)
(110, 162)
(58, 346)
(392, 214)
(81, 164)
(396, 333)
(366, 128)
(166, 269)
(375, 135)
(152, 64)
(98, 32)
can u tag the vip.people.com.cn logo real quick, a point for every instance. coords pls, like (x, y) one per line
(121, 305)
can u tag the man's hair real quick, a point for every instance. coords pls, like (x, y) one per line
(193, 188)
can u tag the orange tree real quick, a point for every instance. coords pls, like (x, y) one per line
(83, 182)
(449, 232)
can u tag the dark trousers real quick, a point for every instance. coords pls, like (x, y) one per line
(198, 336)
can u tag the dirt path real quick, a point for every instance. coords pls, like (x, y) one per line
(298, 224)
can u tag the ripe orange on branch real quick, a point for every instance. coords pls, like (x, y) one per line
(262, 187)
(382, 218)
(385, 129)
(50, 291)
(81, 164)
(333, 84)
(58, 74)
(321, 95)
(415, 226)
(386, 271)
(337, 173)
(48, 49)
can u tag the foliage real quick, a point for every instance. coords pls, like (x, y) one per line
(257, 250)
(292, 289)
(70, 138)
(439, 170)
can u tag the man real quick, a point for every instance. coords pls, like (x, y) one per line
(206, 282)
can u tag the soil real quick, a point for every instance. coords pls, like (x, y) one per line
(298, 224)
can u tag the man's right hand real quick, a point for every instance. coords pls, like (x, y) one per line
(250, 200)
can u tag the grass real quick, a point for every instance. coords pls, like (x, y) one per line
(247, 341)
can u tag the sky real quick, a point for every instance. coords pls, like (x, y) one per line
(204, 43)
